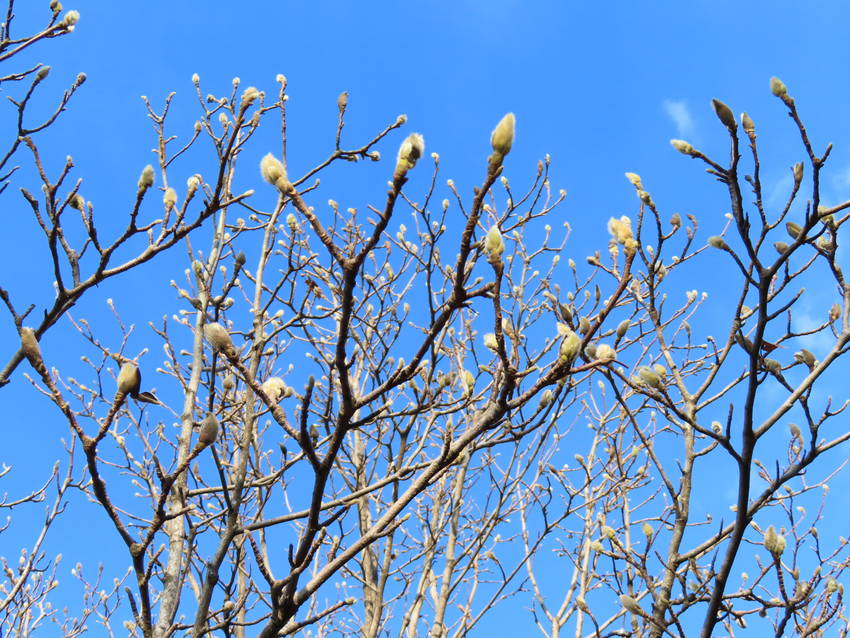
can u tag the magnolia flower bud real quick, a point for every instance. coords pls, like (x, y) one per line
(546, 398)
(411, 149)
(468, 381)
(249, 95)
(620, 229)
(490, 341)
(209, 430)
(292, 222)
(724, 114)
(798, 171)
(780, 247)
(169, 199)
(219, 338)
(275, 388)
(70, 18)
(634, 178)
(604, 352)
(748, 124)
(274, 172)
(649, 377)
(146, 178)
(647, 530)
(716, 241)
(569, 347)
(683, 147)
(584, 325)
(342, 101)
(773, 542)
(608, 532)
(777, 87)
(42, 72)
(623, 327)
(502, 137)
(494, 245)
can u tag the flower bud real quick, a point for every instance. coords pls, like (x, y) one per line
(647, 530)
(42, 72)
(490, 341)
(411, 149)
(546, 398)
(146, 178)
(716, 241)
(494, 245)
(773, 542)
(748, 124)
(275, 388)
(502, 137)
(683, 147)
(604, 352)
(623, 327)
(292, 222)
(634, 178)
(777, 87)
(798, 172)
(569, 347)
(274, 172)
(724, 114)
(780, 247)
(70, 18)
(249, 95)
(169, 199)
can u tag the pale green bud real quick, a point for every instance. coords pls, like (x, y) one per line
(569, 347)
(777, 87)
(494, 245)
(716, 241)
(623, 327)
(683, 147)
(274, 172)
(604, 352)
(169, 199)
(274, 388)
(411, 149)
(490, 341)
(502, 137)
(724, 114)
(146, 178)
(292, 222)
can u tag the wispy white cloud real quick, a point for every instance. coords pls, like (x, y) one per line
(680, 114)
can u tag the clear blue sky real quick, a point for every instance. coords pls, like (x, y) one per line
(601, 87)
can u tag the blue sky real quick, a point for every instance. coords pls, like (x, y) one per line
(599, 87)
